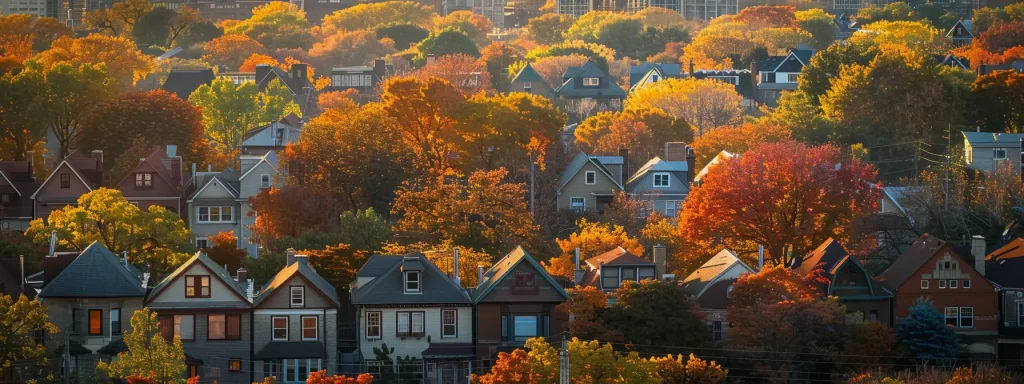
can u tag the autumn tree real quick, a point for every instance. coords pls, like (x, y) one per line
(69, 94)
(592, 238)
(461, 70)
(442, 255)
(446, 42)
(275, 25)
(548, 29)
(41, 30)
(149, 354)
(290, 210)
(504, 130)
(119, 19)
(919, 37)
(665, 308)
(871, 345)
(224, 250)
(497, 57)
(19, 320)
(320, 377)
(426, 116)
(23, 113)
(350, 48)
(643, 131)
(404, 35)
(231, 50)
(164, 27)
(819, 24)
(705, 104)
(338, 264)
(999, 101)
(767, 16)
(510, 368)
(474, 25)
(677, 370)
(230, 111)
(596, 53)
(815, 193)
(585, 313)
(551, 68)
(124, 62)
(155, 236)
(736, 139)
(373, 15)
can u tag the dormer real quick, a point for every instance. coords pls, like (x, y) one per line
(412, 275)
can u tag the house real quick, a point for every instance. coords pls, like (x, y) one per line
(515, 301)
(159, 179)
(986, 151)
(711, 285)
(709, 9)
(360, 78)
(932, 269)
(303, 93)
(407, 303)
(649, 73)
(272, 137)
(718, 159)
(182, 82)
(864, 299)
(17, 184)
(608, 270)
(741, 79)
(221, 200)
(846, 26)
(953, 61)
(589, 183)
(238, 78)
(529, 81)
(590, 83)
(211, 313)
(1004, 267)
(295, 324)
(77, 174)
(960, 34)
(12, 278)
(1016, 65)
(780, 73)
(664, 183)
(91, 299)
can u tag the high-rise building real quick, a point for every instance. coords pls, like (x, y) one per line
(709, 9)
(633, 6)
(575, 8)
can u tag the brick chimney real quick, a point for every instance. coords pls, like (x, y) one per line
(242, 275)
(380, 69)
(978, 251)
(691, 164)
(675, 151)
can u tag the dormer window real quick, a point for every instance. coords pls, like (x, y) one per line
(654, 78)
(590, 177)
(591, 81)
(197, 286)
(661, 180)
(413, 282)
(527, 86)
(524, 279)
(65, 180)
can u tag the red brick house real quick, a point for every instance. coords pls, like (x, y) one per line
(159, 179)
(932, 269)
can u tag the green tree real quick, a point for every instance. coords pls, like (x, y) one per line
(23, 113)
(19, 320)
(70, 93)
(364, 229)
(820, 25)
(164, 27)
(149, 354)
(925, 333)
(548, 29)
(664, 309)
(404, 35)
(230, 111)
(446, 42)
(200, 32)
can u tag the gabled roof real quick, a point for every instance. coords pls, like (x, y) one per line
(643, 70)
(708, 273)
(983, 138)
(298, 268)
(506, 265)
(657, 165)
(216, 270)
(607, 87)
(966, 24)
(577, 163)
(531, 75)
(716, 294)
(19, 175)
(951, 60)
(87, 169)
(802, 57)
(270, 158)
(228, 179)
(617, 256)
(182, 82)
(1005, 266)
(155, 160)
(387, 287)
(912, 259)
(719, 158)
(96, 272)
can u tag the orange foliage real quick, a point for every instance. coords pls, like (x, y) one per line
(14, 49)
(736, 140)
(139, 380)
(321, 377)
(224, 250)
(585, 307)
(231, 50)
(771, 285)
(290, 210)
(510, 368)
(463, 71)
(249, 65)
(123, 59)
(193, 380)
(551, 68)
(767, 16)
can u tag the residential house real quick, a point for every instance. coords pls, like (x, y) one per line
(515, 301)
(91, 299)
(986, 151)
(589, 183)
(272, 137)
(709, 9)
(581, 84)
(238, 78)
(529, 81)
(933, 270)
(159, 179)
(407, 303)
(79, 173)
(1016, 65)
(655, 72)
(295, 324)
(846, 26)
(1004, 267)
(221, 200)
(863, 298)
(17, 184)
(740, 78)
(182, 82)
(211, 312)
(646, 74)
(609, 270)
(780, 73)
(664, 183)
(12, 278)
(303, 93)
(360, 78)
(718, 159)
(953, 61)
(960, 34)
(711, 286)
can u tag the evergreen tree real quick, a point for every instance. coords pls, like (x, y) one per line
(925, 333)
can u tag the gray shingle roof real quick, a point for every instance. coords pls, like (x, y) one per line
(301, 268)
(531, 75)
(982, 138)
(506, 265)
(217, 270)
(698, 281)
(608, 88)
(388, 286)
(96, 272)
(658, 165)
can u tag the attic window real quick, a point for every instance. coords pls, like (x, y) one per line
(412, 282)
(65, 180)
(524, 279)
(197, 286)
(144, 180)
(661, 180)
(264, 181)
(527, 86)
(591, 81)
(590, 177)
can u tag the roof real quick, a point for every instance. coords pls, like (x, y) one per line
(744, 81)
(531, 75)
(720, 157)
(828, 255)
(88, 169)
(992, 138)
(200, 257)
(182, 82)
(569, 88)
(270, 158)
(113, 347)
(698, 281)
(301, 268)
(227, 178)
(155, 160)
(386, 288)
(910, 261)
(951, 60)
(617, 256)
(581, 160)
(448, 350)
(776, 63)
(96, 272)
(638, 72)
(967, 24)
(1005, 265)
(716, 295)
(506, 265)
(658, 165)
(291, 350)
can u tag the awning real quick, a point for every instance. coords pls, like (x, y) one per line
(113, 348)
(291, 350)
(77, 349)
(189, 360)
(448, 351)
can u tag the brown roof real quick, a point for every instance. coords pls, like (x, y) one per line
(617, 256)
(911, 260)
(159, 162)
(88, 167)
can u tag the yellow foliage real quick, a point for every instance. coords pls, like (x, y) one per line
(705, 104)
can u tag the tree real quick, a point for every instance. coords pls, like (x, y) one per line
(549, 28)
(425, 113)
(986, 17)
(70, 93)
(625, 36)
(498, 56)
(338, 264)
(231, 50)
(124, 62)
(19, 320)
(404, 35)
(200, 32)
(364, 230)
(592, 238)
(925, 333)
(119, 19)
(148, 119)
(23, 113)
(797, 113)
(999, 100)
(42, 30)
(871, 346)
(164, 27)
(350, 48)
(373, 15)
(816, 193)
(320, 377)
(665, 308)
(149, 354)
(230, 111)
(919, 37)
(1001, 37)
(551, 68)
(598, 54)
(461, 70)
(675, 370)
(736, 140)
(510, 368)
(767, 16)
(659, 17)
(343, 101)
(275, 25)
(820, 25)
(155, 236)
(770, 285)
(705, 104)
(446, 42)
(473, 25)
(584, 311)
(289, 211)
(225, 251)
(643, 131)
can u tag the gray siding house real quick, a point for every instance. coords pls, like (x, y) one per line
(295, 324)
(529, 81)
(664, 183)
(710, 285)
(211, 313)
(589, 183)
(777, 74)
(986, 151)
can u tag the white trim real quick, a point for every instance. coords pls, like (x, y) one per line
(668, 179)
(419, 282)
(262, 160)
(291, 296)
(302, 328)
(10, 183)
(296, 311)
(194, 195)
(586, 174)
(787, 59)
(273, 329)
(62, 163)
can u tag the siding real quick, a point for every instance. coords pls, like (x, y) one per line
(280, 297)
(982, 158)
(175, 291)
(215, 354)
(59, 310)
(411, 346)
(264, 332)
(577, 187)
(52, 197)
(537, 89)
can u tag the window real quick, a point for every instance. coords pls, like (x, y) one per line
(216, 214)
(1020, 314)
(372, 325)
(197, 286)
(966, 317)
(185, 327)
(577, 204)
(298, 296)
(202, 242)
(449, 323)
(670, 208)
(271, 369)
(999, 154)
(645, 274)
(223, 327)
(143, 180)
(924, 284)
(591, 81)
(95, 322)
(873, 315)
(527, 86)
(717, 331)
(628, 274)
(952, 283)
(967, 284)
(590, 177)
(952, 316)
(65, 180)
(525, 327)
(524, 280)
(234, 365)
(942, 284)
(504, 327)
(115, 321)
(412, 282)
(767, 77)
(74, 320)
(661, 180)
(792, 77)
(5, 198)
(410, 324)
(309, 327)
(610, 278)
(280, 325)
(264, 181)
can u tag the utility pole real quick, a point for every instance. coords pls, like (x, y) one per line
(563, 359)
(533, 166)
(945, 187)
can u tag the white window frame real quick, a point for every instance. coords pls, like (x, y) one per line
(220, 214)
(115, 319)
(672, 205)
(952, 284)
(924, 284)
(792, 77)
(967, 284)
(960, 321)
(591, 81)
(302, 297)
(942, 284)
(717, 331)
(668, 180)
(996, 156)
(274, 328)
(418, 282)
(454, 323)
(582, 207)
(418, 323)
(590, 177)
(205, 242)
(265, 180)
(527, 85)
(946, 315)
(373, 314)
(316, 328)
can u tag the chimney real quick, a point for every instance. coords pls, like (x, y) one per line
(691, 68)
(691, 164)
(760, 258)
(291, 257)
(754, 75)
(301, 259)
(242, 275)
(209, 167)
(455, 267)
(577, 274)
(193, 172)
(624, 153)
(30, 155)
(299, 74)
(172, 150)
(380, 69)
(53, 243)
(98, 155)
(978, 251)
(479, 275)
(659, 255)
(124, 259)
(675, 151)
